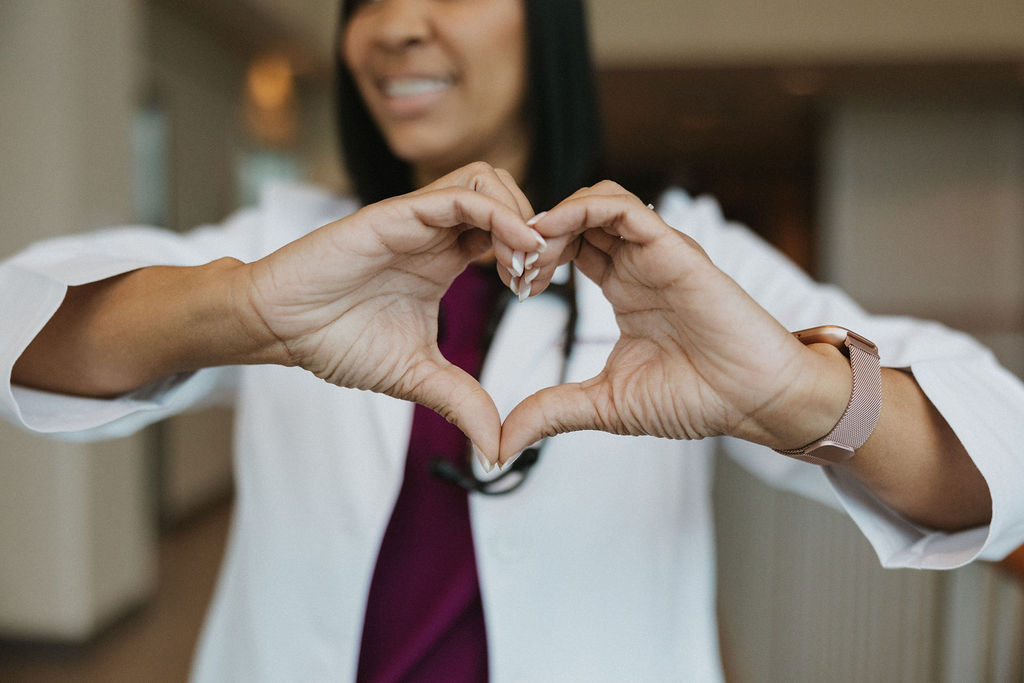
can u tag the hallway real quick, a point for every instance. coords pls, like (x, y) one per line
(155, 642)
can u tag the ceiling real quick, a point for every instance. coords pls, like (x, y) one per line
(697, 32)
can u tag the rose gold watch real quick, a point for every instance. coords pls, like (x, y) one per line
(861, 416)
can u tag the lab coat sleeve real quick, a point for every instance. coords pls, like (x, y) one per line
(981, 401)
(32, 286)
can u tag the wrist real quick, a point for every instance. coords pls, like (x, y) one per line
(816, 401)
(253, 342)
(863, 407)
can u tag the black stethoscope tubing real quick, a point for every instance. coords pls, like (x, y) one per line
(464, 478)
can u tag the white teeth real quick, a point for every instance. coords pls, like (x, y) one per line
(410, 87)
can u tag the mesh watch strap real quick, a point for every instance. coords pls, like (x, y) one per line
(865, 405)
(861, 416)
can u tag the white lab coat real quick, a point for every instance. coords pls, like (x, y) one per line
(600, 568)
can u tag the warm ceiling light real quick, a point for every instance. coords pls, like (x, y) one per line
(270, 82)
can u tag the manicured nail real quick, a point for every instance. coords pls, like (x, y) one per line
(533, 221)
(517, 262)
(531, 258)
(531, 275)
(514, 285)
(524, 292)
(485, 464)
(508, 463)
(511, 271)
(542, 244)
(651, 207)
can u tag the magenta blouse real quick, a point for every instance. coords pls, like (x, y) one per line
(424, 617)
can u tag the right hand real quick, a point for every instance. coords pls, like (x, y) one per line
(356, 301)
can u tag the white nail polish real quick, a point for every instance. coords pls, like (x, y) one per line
(533, 221)
(508, 463)
(542, 244)
(530, 259)
(530, 276)
(517, 262)
(514, 285)
(511, 271)
(651, 207)
(485, 464)
(524, 292)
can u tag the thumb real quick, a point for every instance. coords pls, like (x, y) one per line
(458, 397)
(554, 410)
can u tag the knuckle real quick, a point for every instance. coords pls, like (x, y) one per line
(480, 168)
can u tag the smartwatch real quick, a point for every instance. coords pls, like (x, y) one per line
(861, 415)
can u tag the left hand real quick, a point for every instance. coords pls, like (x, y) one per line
(696, 357)
(356, 301)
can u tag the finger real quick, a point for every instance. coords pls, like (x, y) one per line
(592, 261)
(475, 243)
(522, 274)
(457, 207)
(496, 183)
(622, 215)
(554, 410)
(537, 268)
(457, 397)
(604, 240)
(525, 208)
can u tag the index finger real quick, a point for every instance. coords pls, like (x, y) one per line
(483, 178)
(453, 207)
(622, 215)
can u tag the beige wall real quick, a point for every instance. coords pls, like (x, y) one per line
(76, 532)
(67, 102)
(646, 31)
(922, 213)
(829, 30)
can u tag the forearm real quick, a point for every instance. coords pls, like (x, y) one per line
(913, 461)
(115, 335)
(916, 464)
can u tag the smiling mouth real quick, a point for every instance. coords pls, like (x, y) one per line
(412, 87)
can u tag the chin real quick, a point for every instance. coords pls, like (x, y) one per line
(421, 144)
(429, 156)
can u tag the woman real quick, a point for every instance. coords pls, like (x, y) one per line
(346, 556)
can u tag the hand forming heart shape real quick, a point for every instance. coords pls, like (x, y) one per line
(681, 368)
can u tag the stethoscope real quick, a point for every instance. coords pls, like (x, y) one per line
(515, 474)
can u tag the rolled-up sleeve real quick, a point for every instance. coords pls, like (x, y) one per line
(33, 284)
(981, 401)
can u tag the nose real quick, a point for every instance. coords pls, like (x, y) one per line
(400, 24)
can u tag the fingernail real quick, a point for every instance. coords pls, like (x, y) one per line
(524, 292)
(514, 285)
(649, 206)
(511, 271)
(485, 464)
(508, 463)
(542, 244)
(531, 275)
(533, 221)
(517, 262)
(531, 258)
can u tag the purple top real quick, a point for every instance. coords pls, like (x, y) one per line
(424, 617)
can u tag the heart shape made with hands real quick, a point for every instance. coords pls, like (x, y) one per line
(678, 369)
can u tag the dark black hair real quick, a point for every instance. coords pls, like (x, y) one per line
(561, 101)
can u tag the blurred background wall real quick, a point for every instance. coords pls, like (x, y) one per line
(880, 144)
